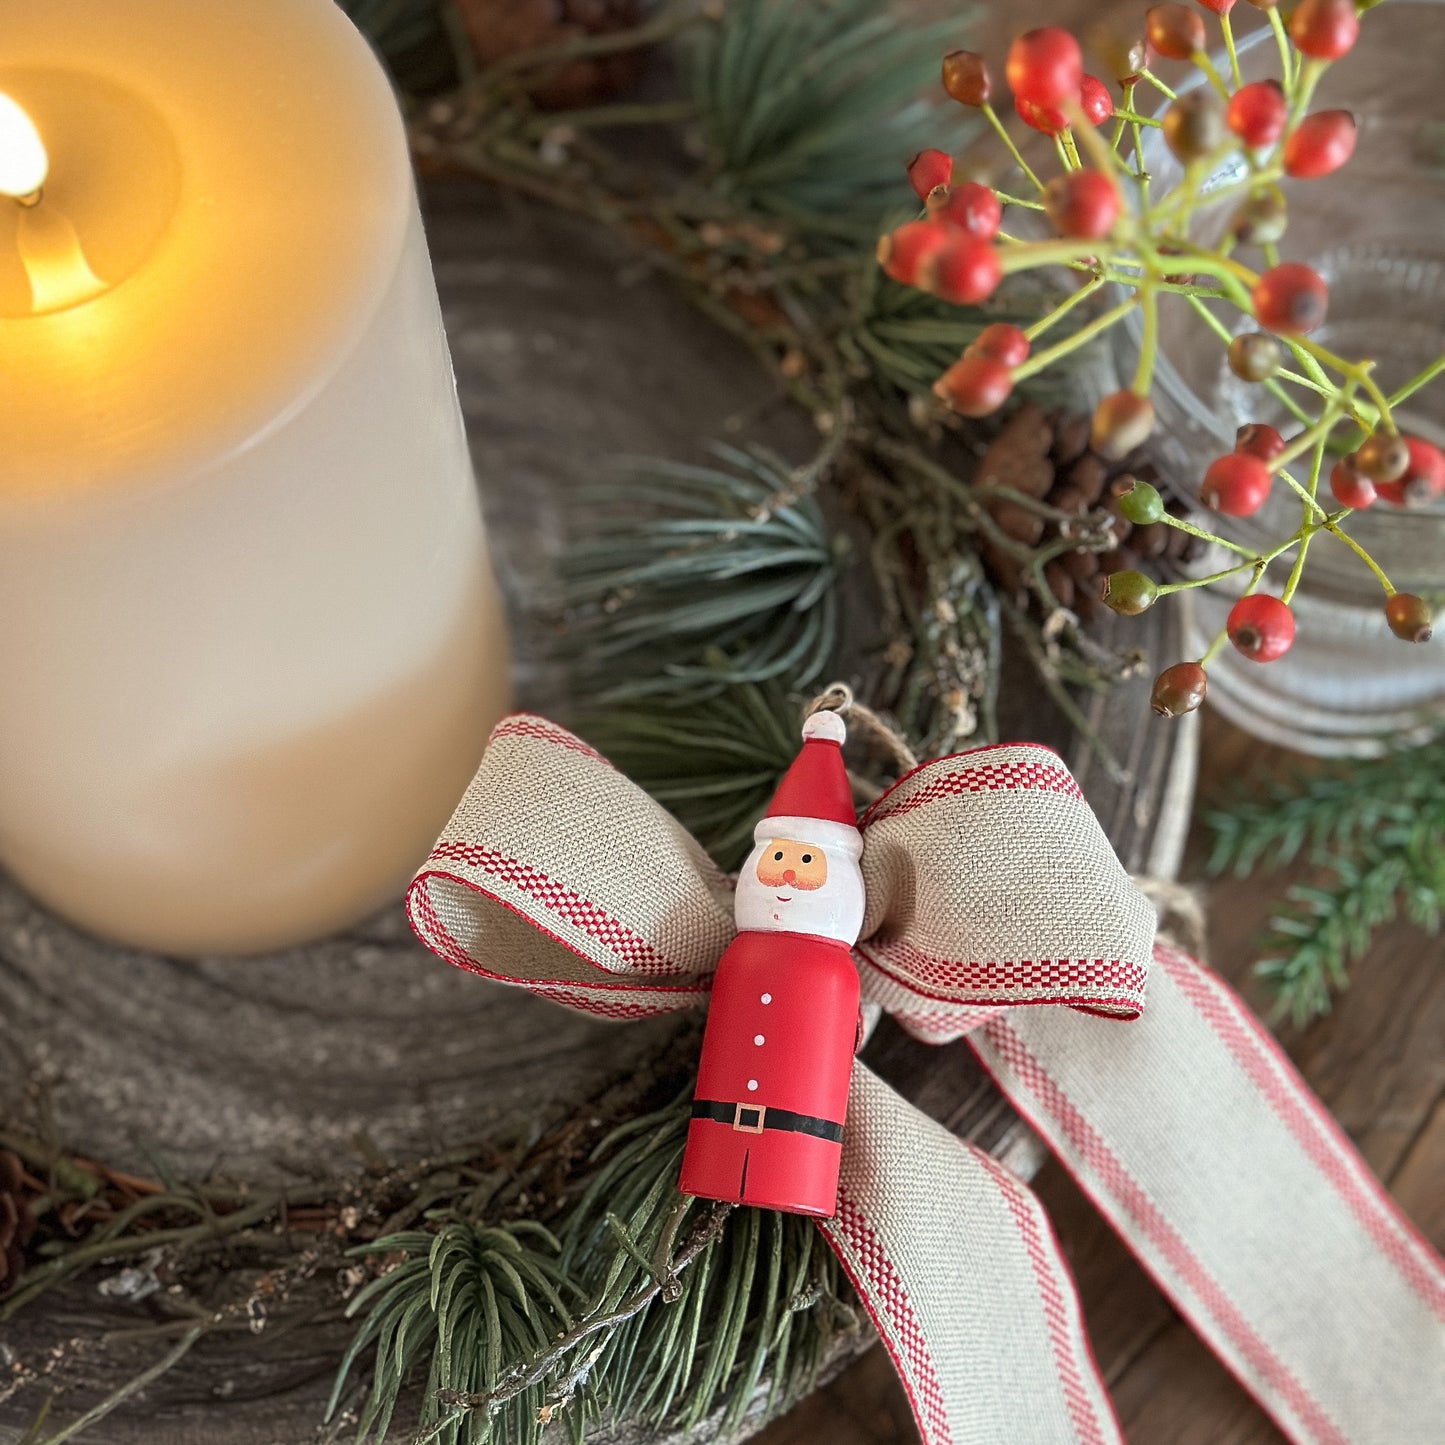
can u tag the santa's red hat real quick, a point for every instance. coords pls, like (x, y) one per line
(814, 802)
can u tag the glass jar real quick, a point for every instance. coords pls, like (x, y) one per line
(1375, 231)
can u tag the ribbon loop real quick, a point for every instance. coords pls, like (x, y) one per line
(991, 884)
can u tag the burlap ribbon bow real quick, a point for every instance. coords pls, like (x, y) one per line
(991, 886)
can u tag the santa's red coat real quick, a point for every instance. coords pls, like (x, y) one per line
(781, 1031)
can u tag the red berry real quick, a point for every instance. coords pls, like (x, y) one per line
(1261, 627)
(1409, 617)
(902, 252)
(928, 170)
(1236, 484)
(1349, 487)
(1175, 31)
(1321, 143)
(1178, 689)
(1082, 203)
(1290, 299)
(1122, 421)
(970, 205)
(966, 77)
(1324, 29)
(1045, 66)
(1001, 341)
(1046, 118)
(1095, 100)
(964, 270)
(1422, 481)
(975, 385)
(1219, 7)
(1257, 112)
(1255, 439)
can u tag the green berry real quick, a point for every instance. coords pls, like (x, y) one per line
(1141, 503)
(1129, 592)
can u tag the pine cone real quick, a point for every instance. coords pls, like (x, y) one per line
(1047, 456)
(498, 28)
(17, 1223)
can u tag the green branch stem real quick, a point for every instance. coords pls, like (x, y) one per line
(1227, 30)
(1041, 360)
(991, 116)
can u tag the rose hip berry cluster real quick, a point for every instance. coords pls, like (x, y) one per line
(1113, 233)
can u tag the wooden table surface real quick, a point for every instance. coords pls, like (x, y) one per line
(1375, 1061)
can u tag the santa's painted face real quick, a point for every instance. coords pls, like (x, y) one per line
(789, 866)
(791, 885)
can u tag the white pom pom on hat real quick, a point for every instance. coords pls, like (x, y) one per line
(829, 725)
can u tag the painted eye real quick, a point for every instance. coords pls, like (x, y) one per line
(777, 857)
(807, 857)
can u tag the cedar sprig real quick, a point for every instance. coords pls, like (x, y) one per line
(686, 578)
(1374, 834)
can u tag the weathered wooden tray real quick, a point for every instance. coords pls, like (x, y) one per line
(269, 1069)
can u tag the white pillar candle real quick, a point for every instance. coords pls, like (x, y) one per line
(250, 645)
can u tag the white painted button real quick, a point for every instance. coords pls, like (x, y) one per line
(767, 998)
(758, 1040)
(752, 1083)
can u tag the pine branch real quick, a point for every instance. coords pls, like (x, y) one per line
(808, 109)
(1375, 832)
(713, 764)
(688, 579)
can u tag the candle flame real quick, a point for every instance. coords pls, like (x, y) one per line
(23, 162)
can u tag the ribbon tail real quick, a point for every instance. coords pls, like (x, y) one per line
(958, 1267)
(1199, 1142)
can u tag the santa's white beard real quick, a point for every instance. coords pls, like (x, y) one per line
(833, 911)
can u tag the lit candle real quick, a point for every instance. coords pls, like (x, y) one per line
(250, 645)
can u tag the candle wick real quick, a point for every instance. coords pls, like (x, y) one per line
(33, 199)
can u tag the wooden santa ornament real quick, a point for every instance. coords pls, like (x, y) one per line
(783, 1023)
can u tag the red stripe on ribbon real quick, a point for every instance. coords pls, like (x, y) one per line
(1129, 1195)
(1316, 1133)
(1064, 1325)
(1047, 775)
(883, 1292)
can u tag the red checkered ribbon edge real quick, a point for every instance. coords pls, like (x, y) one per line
(993, 892)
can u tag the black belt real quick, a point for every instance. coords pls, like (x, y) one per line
(754, 1118)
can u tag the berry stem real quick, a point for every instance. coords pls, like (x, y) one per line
(1149, 341)
(1067, 158)
(1215, 79)
(1212, 651)
(1025, 255)
(1422, 378)
(1331, 525)
(1042, 359)
(1064, 307)
(1228, 32)
(1158, 84)
(1179, 524)
(991, 116)
(1125, 115)
(1286, 52)
(1008, 200)
(1307, 534)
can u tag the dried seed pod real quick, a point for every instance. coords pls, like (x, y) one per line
(1194, 126)
(966, 77)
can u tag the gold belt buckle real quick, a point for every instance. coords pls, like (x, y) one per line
(742, 1128)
